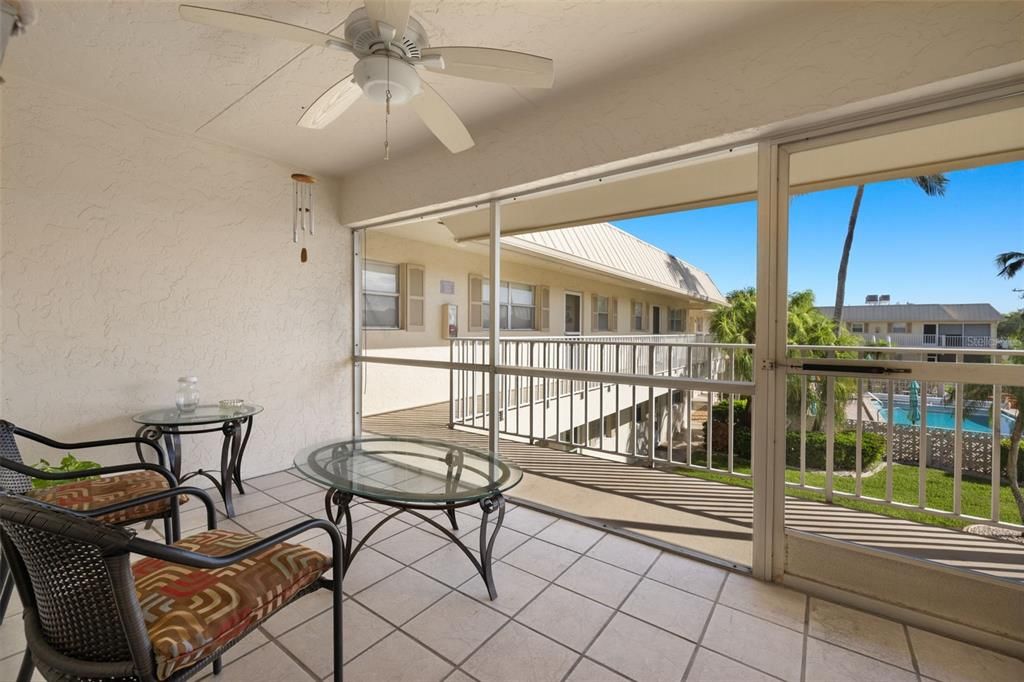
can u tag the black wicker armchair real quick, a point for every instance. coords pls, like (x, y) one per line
(104, 493)
(90, 614)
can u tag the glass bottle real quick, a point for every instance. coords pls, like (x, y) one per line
(187, 398)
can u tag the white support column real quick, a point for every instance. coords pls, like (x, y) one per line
(357, 332)
(495, 326)
(769, 439)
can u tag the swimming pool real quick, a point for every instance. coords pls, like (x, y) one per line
(976, 419)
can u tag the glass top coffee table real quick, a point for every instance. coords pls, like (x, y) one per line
(414, 477)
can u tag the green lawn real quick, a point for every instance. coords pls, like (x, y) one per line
(974, 494)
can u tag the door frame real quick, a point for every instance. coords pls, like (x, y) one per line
(770, 353)
(579, 317)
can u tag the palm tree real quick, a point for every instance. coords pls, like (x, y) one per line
(1010, 263)
(932, 185)
(806, 326)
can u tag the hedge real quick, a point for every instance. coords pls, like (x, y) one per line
(844, 453)
(844, 457)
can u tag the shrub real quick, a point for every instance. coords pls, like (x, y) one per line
(844, 455)
(1004, 455)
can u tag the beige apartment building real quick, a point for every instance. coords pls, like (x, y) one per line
(944, 325)
(422, 289)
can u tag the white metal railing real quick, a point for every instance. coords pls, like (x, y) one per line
(646, 397)
(936, 340)
(946, 416)
(671, 401)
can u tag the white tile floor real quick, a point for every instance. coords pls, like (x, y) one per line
(574, 604)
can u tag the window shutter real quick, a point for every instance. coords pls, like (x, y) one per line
(476, 303)
(544, 305)
(593, 313)
(613, 314)
(413, 292)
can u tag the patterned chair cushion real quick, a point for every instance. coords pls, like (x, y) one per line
(191, 612)
(100, 492)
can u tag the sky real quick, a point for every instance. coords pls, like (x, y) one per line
(918, 249)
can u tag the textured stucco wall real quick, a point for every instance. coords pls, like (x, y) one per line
(132, 255)
(823, 56)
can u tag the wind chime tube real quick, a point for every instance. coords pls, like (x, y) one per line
(311, 210)
(295, 213)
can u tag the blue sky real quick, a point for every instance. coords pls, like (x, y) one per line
(917, 248)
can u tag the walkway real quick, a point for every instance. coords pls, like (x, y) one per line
(704, 516)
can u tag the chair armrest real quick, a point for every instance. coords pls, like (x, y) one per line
(85, 445)
(211, 511)
(172, 482)
(177, 555)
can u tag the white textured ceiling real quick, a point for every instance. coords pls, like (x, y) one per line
(248, 91)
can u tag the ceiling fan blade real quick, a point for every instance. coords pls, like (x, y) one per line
(246, 23)
(331, 104)
(441, 119)
(393, 13)
(496, 66)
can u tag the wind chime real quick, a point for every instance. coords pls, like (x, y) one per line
(302, 210)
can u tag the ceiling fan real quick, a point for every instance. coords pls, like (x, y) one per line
(391, 46)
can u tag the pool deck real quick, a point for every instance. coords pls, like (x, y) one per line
(706, 517)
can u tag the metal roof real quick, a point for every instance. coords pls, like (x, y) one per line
(918, 312)
(606, 248)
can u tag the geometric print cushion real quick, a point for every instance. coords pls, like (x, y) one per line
(100, 492)
(191, 612)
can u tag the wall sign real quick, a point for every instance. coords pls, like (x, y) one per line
(447, 286)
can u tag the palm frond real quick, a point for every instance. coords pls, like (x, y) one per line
(1010, 263)
(932, 185)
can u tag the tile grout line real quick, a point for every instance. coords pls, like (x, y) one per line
(913, 654)
(511, 618)
(295, 659)
(615, 611)
(704, 630)
(399, 628)
(451, 590)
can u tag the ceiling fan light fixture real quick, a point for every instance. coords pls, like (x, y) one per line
(375, 77)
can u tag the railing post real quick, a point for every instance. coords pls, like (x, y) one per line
(651, 413)
(451, 385)
(495, 324)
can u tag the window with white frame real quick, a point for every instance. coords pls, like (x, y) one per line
(899, 328)
(518, 306)
(638, 316)
(675, 320)
(380, 296)
(857, 327)
(601, 316)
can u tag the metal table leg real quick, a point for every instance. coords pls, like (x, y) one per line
(496, 503)
(228, 461)
(241, 455)
(337, 503)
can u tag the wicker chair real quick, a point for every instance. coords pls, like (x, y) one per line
(90, 614)
(91, 497)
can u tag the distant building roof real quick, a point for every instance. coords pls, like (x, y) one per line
(918, 312)
(617, 252)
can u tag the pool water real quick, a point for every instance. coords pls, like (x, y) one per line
(942, 417)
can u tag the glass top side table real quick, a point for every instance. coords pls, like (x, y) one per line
(412, 476)
(234, 422)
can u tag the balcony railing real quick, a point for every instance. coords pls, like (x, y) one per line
(624, 405)
(937, 340)
(686, 401)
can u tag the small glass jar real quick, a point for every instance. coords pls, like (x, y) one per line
(187, 398)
